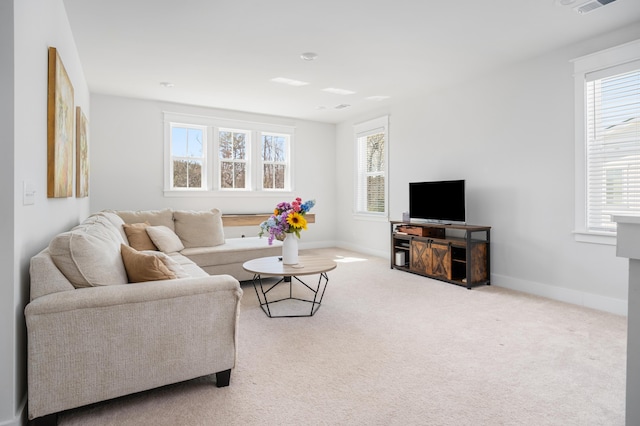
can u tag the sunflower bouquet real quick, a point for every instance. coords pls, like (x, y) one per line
(287, 218)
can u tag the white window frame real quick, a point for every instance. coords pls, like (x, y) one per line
(376, 125)
(583, 66)
(286, 162)
(247, 161)
(254, 157)
(203, 159)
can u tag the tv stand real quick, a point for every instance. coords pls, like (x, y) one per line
(457, 254)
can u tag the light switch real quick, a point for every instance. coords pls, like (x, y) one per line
(29, 194)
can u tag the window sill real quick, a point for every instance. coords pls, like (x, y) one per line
(595, 238)
(224, 194)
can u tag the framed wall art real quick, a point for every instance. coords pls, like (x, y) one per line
(82, 154)
(60, 115)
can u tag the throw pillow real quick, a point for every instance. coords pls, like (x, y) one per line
(173, 266)
(165, 239)
(138, 237)
(142, 267)
(199, 229)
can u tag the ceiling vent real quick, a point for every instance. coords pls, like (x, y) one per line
(592, 5)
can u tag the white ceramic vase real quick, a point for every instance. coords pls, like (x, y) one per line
(290, 249)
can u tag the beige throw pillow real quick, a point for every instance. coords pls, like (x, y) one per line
(199, 229)
(138, 237)
(165, 239)
(144, 267)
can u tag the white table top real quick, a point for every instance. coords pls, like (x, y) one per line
(271, 266)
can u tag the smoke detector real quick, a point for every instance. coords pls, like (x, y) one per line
(591, 6)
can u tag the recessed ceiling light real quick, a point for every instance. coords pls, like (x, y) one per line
(338, 91)
(377, 98)
(289, 81)
(166, 84)
(309, 56)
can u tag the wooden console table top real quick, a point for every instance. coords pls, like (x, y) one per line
(255, 219)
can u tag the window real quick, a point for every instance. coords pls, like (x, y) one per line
(275, 159)
(188, 156)
(607, 141)
(371, 167)
(212, 155)
(233, 146)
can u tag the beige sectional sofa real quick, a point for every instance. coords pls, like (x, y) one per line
(217, 255)
(106, 319)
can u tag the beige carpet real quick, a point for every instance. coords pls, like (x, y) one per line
(391, 348)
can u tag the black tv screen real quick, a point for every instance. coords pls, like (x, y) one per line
(437, 201)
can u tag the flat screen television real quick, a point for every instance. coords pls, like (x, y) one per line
(437, 201)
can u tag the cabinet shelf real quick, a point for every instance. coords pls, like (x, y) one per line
(430, 250)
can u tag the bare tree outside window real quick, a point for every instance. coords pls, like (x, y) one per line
(274, 157)
(187, 152)
(375, 173)
(233, 158)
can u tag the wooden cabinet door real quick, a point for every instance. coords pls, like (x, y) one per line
(420, 258)
(440, 260)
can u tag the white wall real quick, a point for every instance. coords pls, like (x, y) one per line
(7, 291)
(127, 149)
(34, 25)
(511, 136)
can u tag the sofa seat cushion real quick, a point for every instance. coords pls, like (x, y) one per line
(89, 254)
(234, 250)
(199, 229)
(187, 266)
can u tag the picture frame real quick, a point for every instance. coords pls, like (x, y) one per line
(60, 129)
(82, 155)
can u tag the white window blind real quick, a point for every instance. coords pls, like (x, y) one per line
(371, 158)
(612, 130)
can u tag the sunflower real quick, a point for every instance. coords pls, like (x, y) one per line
(297, 221)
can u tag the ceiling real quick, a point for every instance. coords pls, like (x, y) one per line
(224, 53)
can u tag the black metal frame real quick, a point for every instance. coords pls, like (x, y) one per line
(315, 303)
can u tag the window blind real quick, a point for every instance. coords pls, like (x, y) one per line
(371, 179)
(612, 100)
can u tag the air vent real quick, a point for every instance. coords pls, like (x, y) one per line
(592, 5)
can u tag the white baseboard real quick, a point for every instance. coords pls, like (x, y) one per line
(20, 417)
(365, 250)
(581, 298)
(576, 297)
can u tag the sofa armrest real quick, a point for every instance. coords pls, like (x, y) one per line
(93, 344)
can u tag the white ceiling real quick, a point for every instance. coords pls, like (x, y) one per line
(224, 53)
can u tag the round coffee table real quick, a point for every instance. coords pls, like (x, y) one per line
(273, 267)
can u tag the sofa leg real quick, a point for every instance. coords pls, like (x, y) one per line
(48, 420)
(223, 378)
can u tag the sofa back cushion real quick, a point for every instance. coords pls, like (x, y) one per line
(115, 220)
(199, 228)
(89, 254)
(153, 217)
